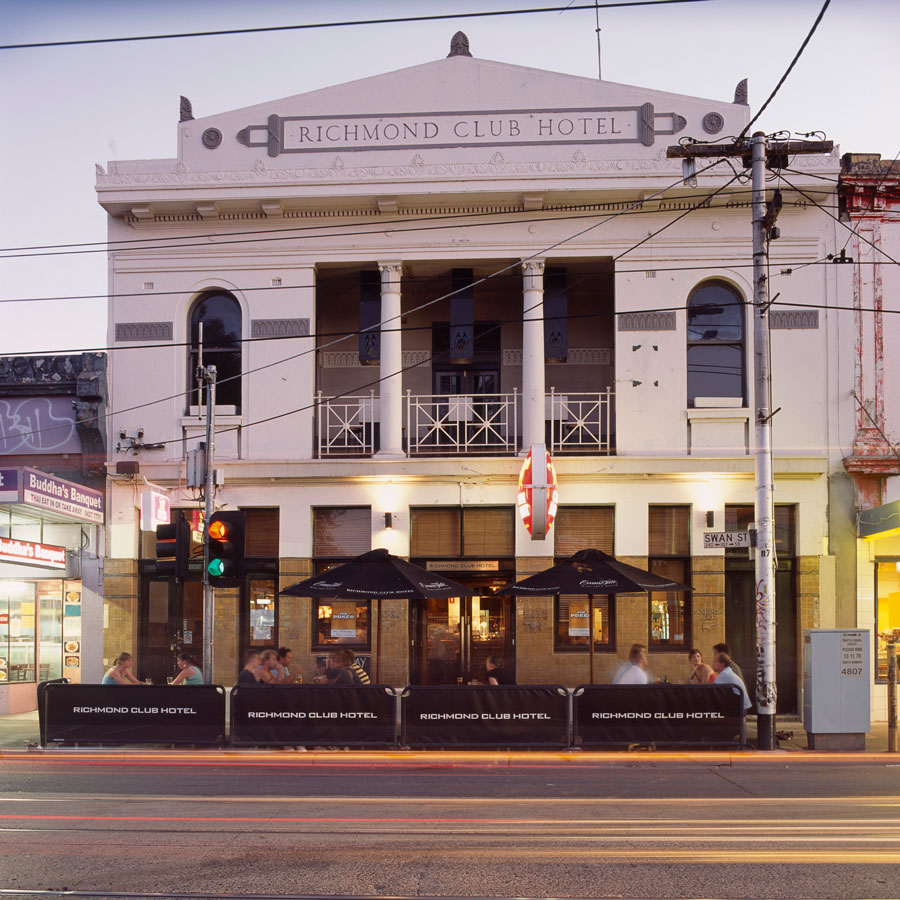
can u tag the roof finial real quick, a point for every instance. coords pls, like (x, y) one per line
(459, 45)
(740, 93)
(186, 111)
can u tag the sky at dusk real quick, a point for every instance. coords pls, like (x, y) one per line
(64, 109)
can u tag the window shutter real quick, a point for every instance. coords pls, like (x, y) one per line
(670, 531)
(434, 533)
(462, 317)
(342, 531)
(556, 316)
(262, 532)
(583, 528)
(370, 318)
(489, 532)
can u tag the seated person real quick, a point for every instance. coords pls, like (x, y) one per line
(725, 674)
(357, 672)
(247, 675)
(120, 672)
(496, 673)
(190, 672)
(283, 671)
(700, 673)
(267, 670)
(335, 671)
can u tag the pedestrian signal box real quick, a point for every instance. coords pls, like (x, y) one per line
(225, 534)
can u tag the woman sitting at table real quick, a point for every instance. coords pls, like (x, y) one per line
(701, 673)
(120, 672)
(190, 672)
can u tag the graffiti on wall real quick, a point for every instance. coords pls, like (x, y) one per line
(38, 425)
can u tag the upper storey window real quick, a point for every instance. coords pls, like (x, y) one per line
(216, 341)
(715, 344)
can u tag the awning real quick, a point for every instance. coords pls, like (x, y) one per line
(881, 522)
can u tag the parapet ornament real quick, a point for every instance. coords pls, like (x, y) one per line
(145, 331)
(267, 328)
(459, 45)
(656, 321)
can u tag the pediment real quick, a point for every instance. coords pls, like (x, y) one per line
(454, 109)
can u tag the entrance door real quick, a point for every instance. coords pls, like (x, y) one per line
(455, 637)
(171, 623)
(740, 628)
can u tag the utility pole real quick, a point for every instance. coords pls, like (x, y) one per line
(759, 153)
(208, 375)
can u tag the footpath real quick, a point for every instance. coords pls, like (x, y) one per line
(19, 731)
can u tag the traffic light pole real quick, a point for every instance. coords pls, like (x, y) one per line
(761, 152)
(208, 373)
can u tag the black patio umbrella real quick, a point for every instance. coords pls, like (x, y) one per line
(378, 575)
(590, 572)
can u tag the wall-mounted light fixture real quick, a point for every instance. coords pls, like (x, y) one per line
(388, 520)
(710, 518)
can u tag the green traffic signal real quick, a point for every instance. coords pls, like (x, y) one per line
(216, 567)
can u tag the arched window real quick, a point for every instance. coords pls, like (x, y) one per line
(715, 343)
(220, 315)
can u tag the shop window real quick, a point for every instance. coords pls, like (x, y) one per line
(342, 532)
(887, 612)
(220, 315)
(17, 631)
(583, 528)
(341, 623)
(452, 532)
(572, 616)
(715, 343)
(669, 556)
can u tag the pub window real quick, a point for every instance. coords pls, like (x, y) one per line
(715, 343)
(583, 528)
(572, 615)
(451, 532)
(219, 314)
(341, 623)
(340, 533)
(669, 556)
(260, 596)
(887, 612)
(739, 518)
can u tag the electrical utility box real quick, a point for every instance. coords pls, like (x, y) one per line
(837, 676)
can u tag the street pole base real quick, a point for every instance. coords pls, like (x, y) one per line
(765, 732)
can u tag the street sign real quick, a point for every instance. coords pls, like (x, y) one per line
(716, 540)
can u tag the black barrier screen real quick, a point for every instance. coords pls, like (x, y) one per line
(658, 714)
(313, 714)
(485, 716)
(139, 714)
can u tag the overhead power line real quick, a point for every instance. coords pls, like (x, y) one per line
(345, 24)
(787, 72)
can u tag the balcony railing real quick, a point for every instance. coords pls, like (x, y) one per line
(466, 424)
(580, 423)
(461, 424)
(347, 426)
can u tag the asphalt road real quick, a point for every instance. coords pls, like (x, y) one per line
(450, 825)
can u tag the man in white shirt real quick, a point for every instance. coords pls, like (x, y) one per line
(636, 670)
(726, 675)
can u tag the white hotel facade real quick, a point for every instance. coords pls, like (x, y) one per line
(407, 281)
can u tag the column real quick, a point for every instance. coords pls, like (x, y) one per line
(391, 444)
(533, 390)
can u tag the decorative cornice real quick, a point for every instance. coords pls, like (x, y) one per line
(333, 359)
(40, 375)
(578, 356)
(656, 321)
(784, 320)
(145, 331)
(267, 328)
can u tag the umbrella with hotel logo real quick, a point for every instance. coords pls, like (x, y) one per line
(590, 572)
(378, 575)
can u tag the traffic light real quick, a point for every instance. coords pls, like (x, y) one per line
(226, 548)
(173, 548)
